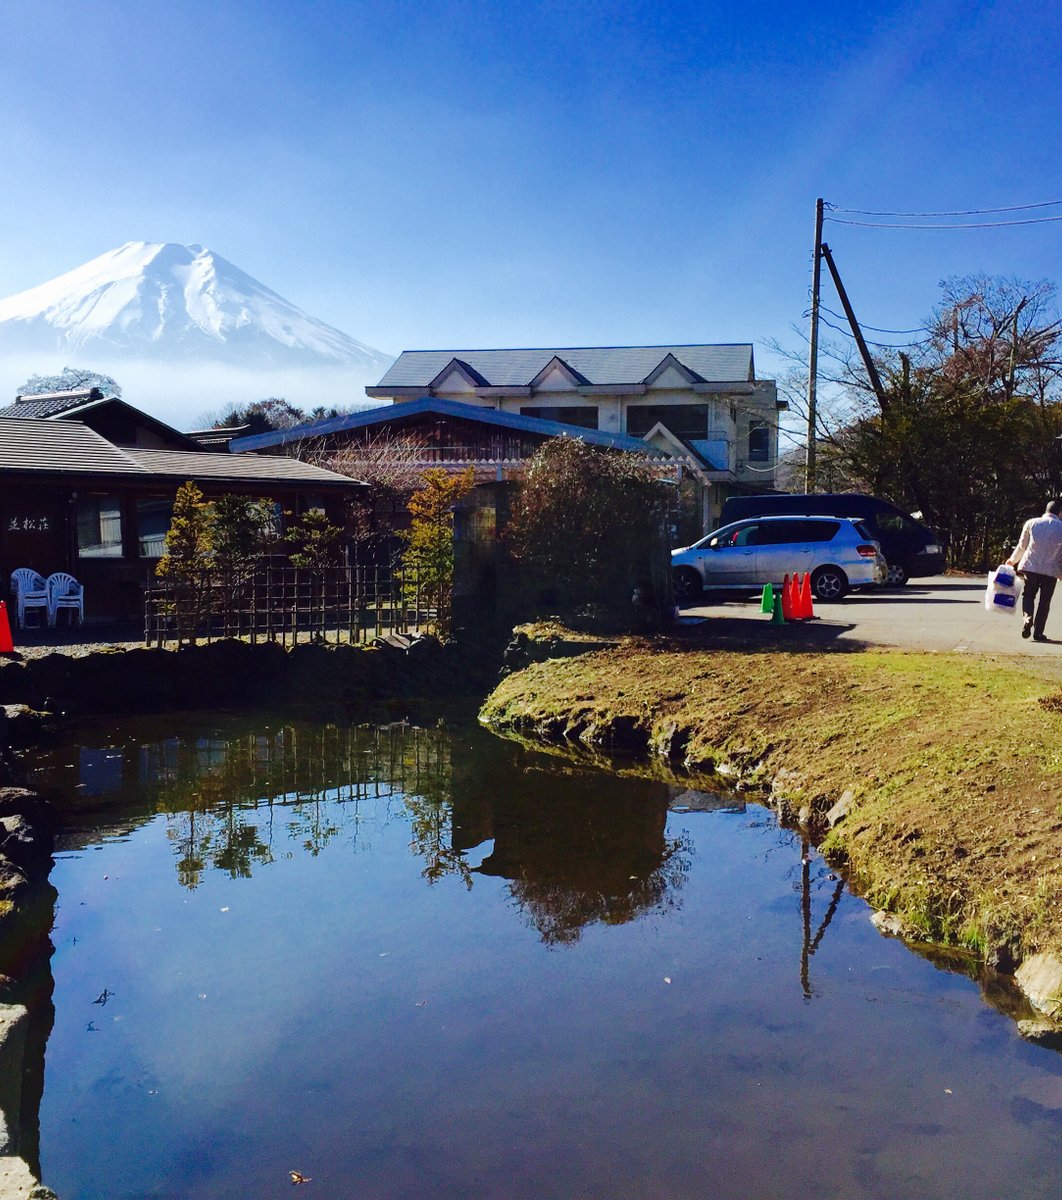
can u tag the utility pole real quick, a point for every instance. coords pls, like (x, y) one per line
(813, 352)
(857, 333)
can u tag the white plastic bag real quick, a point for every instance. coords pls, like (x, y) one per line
(1003, 590)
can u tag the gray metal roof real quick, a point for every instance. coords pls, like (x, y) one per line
(30, 445)
(600, 365)
(410, 410)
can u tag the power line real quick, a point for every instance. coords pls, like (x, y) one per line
(959, 212)
(966, 225)
(869, 341)
(876, 328)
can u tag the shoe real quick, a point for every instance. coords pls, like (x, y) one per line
(1026, 629)
(1039, 637)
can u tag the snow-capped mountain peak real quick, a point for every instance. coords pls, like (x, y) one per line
(162, 300)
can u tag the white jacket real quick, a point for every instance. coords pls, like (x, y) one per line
(1039, 548)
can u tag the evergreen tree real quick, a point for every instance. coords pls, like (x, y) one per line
(315, 541)
(187, 562)
(429, 553)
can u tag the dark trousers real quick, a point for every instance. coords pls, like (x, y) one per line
(1044, 585)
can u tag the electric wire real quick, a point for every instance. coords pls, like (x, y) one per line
(875, 328)
(958, 212)
(961, 225)
(869, 341)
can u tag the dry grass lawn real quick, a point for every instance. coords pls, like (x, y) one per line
(955, 764)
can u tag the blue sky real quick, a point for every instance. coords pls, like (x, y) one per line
(491, 174)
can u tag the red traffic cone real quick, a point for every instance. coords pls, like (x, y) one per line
(807, 607)
(7, 646)
(787, 598)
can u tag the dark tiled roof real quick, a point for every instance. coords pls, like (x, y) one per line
(48, 406)
(599, 365)
(70, 448)
(396, 413)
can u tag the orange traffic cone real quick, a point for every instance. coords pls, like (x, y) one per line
(7, 646)
(807, 607)
(787, 599)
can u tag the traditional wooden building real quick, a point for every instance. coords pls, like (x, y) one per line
(71, 500)
(449, 433)
(111, 417)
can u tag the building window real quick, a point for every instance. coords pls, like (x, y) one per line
(153, 517)
(759, 441)
(99, 527)
(583, 415)
(683, 420)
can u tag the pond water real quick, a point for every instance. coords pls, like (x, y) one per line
(430, 963)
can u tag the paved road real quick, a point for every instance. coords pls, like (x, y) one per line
(945, 612)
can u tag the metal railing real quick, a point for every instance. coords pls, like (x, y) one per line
(288, 605)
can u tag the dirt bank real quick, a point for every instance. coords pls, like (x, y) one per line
(950, 768)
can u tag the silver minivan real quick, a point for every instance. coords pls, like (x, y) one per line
(837, 552)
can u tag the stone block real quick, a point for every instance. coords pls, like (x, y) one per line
(1040, 978)
(841, 809)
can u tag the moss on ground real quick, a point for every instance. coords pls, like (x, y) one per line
(954, 764)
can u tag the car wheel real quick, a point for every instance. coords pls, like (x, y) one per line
(687, 584)
(895, 574)
(829, 583)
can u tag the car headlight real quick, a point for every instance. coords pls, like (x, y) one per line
(933, 548)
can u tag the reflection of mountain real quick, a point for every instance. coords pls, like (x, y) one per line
(577, 846)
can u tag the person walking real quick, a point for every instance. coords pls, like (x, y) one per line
(1038, 558)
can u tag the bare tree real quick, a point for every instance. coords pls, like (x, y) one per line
(390, 466)
(69, 379)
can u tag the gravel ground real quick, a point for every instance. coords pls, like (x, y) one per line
(87, 639)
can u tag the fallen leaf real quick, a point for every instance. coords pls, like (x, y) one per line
(296, 1177)
(667, 978)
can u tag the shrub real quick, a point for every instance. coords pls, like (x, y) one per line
(589, 529)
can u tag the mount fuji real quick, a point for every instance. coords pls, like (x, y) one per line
(161, 301)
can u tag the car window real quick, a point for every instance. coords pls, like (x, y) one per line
(895, 523)
(864, 531)
(720, 537)
(779, 533)
(802, 529)
(727, 534)
(822, 531)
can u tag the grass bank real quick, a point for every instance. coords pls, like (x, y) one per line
(953, 765)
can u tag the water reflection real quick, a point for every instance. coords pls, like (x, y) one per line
(809, 944)
(338, 986)
(584, 849)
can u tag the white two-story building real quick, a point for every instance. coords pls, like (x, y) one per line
(702, 404)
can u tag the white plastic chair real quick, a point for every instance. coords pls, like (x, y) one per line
(30, 590)
(64, 591)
